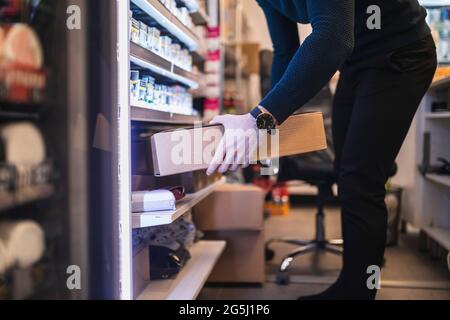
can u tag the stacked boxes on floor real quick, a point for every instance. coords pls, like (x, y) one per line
(234, 213)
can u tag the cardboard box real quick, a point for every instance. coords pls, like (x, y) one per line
(243, 260)
(231, 207)
(180, 151)
(302, 133)
(141, 269)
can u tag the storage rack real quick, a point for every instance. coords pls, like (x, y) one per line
(205, 254)
(57, 206)
(426, 200)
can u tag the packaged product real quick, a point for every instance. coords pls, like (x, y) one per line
(134, 30)
(143, 30)
(142, 89)
(134, 85)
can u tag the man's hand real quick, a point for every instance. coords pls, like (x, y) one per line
(239, 145)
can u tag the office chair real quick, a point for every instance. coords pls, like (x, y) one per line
(316, 169)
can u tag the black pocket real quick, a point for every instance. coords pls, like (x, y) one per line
(413, 57)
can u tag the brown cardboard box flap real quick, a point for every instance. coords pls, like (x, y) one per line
(231, 207)
(302, 133)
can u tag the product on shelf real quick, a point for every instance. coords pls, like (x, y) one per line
(149, 201)
(134, 85)
(166, 43)
(150, 89)
(22, 79)
(16, 151)
(151, 39)
(181, 13)
(24, 242)
(21, 46)
(154, 39)
(134, 30)
(143, 31)
(174, 99)
(439, 21)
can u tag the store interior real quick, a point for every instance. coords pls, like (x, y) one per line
(91, 207)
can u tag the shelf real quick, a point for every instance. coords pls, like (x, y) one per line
(14, 115)
(438, 115)
(151, 219)
(440, 235)
(439, 179)
(141, 113)
(165, 18)
(189, 282)
(26, 196)
(149, 60)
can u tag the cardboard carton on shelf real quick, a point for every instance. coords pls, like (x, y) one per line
(234, 213)
(299, 134)
(231, 207)
(242, 261)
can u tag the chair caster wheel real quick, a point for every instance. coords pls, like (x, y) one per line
(269, 254)
(283, 278)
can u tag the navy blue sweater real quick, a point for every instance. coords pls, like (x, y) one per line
(340, 34)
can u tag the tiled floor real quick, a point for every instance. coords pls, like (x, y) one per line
(408, 274)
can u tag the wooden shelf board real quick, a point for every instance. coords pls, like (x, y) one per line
(189, 282)
(440, 179)
(438, 115)
(151, 219)
(440, 235)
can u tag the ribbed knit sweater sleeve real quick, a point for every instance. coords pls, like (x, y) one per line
(301, 71)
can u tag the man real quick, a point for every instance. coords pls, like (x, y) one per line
(387, 60)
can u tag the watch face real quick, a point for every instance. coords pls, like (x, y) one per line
(265, 121)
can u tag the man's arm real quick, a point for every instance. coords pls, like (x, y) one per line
(285, 39)
(314, 62)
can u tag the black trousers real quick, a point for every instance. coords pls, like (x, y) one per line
(374, 106)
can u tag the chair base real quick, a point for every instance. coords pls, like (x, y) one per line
(320, 243)
(331, 246)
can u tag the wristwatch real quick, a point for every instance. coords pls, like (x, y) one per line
(264, 120)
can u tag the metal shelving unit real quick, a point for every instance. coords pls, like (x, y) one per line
(134, 114)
